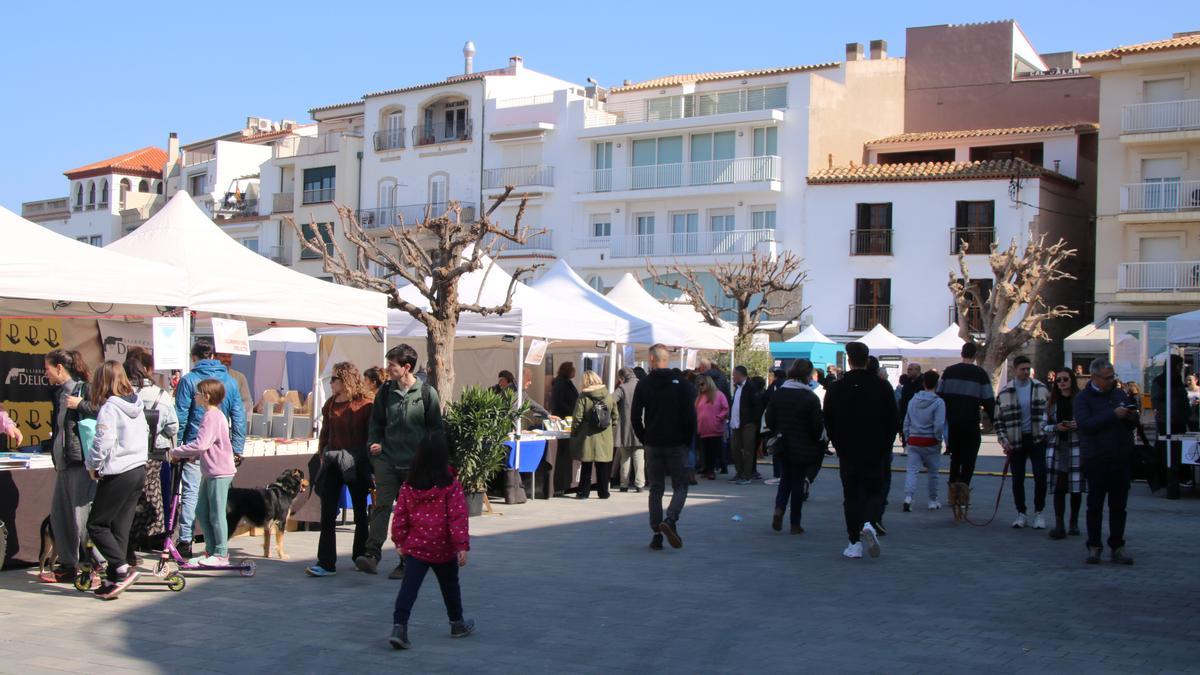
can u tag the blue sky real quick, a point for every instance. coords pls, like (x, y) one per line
(85, 81)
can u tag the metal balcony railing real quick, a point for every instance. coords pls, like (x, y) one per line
(409, 214)
(538, 242)
(1159, 117)
(866, 317)
(974, 318)
(688, 105)
(389, 139)
(669, 245)
(317, 196)
(517, 176)
(299, 146)
(978, 239)
(279, 254)
(1166, 195)
(282, 202)
(430, 134)
(871, 242)
(711, 172)
(1159, 276)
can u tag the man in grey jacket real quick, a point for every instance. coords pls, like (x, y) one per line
(631, 457)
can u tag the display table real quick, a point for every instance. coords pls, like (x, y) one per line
(25, 499)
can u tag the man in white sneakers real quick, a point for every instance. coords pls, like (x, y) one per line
(1020, 406)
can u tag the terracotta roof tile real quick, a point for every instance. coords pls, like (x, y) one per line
(983, 133)
(454, 79)
(923, 171)
(146, 160)
(675, 80)
(1180, 41)
(334, 106)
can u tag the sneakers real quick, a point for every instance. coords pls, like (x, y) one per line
(636, 489)
(879, 529)
(1094, 553)
(796, 529)
(870, 540)
(777, 521)
(1119, 557)
(624, 489)
(735, 479)
(397, 573)
(934, 505)
(1020, 522)
(771, 481)
(60, 575)
(1039, 523)
(463, 628)
(368, 564)
(110, 591)
(667, 529)
(743, 481)
(318, 571)
(907, 508)
(853, 551)
(656, 542)
(399, 638)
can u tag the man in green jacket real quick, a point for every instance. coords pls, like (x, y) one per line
(405, 409)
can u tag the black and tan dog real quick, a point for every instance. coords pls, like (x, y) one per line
(47, 556)
(268, 507)
(960, 500)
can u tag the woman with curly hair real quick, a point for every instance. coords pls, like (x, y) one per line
(342, 446)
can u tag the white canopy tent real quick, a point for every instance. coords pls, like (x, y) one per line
(285, 339)
(42, 268)
(811, 334)
(1184, 328)
(630, 295)
(1183, 331)
(945, 345)
(882, 342)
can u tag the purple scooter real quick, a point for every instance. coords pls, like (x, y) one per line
(171, 562)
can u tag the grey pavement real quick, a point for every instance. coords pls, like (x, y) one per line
(570, 586)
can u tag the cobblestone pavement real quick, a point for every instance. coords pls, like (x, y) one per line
(569, 586)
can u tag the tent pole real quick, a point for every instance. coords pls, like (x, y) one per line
(1168, 376)
(520, 375)
(612, 366)
(187, 340)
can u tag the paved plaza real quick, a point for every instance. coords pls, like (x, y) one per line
(568, 586)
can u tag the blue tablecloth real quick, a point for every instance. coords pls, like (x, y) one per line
(532, 452)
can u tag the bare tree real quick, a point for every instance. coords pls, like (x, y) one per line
(761, 287)
(1021, 280)
(432, 255)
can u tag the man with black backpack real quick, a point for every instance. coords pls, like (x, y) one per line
(405, 409)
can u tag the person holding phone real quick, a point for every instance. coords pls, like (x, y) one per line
(1063, 455)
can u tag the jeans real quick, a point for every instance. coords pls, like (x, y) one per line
(112, 515)
(329, 489)
(388, 479)
(70, 505)
(414, 575)
(792, 486)
(963, 443)
(1107, 478)
(1035, 453)
(635, 458)
(862, 483)
(210, 511)
(189, 491)
(929, 457)
(744, 445)
(603, 470)
(661, 462)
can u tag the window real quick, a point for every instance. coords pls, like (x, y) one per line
(763, 220)
(250, 243)
(104, 192)
(158, 187)
(601, 226)
(438, 195)
(657, 162)
(872, 234)
(974, 224)
(916, 157)
(310, 233)
(144, 186)
(685, 233)
(977, 294)
(318, 185)
(766, 141)
(1161, 91)
(712, 158)
(720, 221)
(123, 189)
(602, 163)
(91, 194)
(79, 196)
(872, 304)
(645, 234)
(94, 240)
(198, 184)
(1030, 152)
(596, 283)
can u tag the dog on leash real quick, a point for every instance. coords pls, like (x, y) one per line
(268, 507)
(960, 500)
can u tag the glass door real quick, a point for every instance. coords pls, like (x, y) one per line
(685, 233)
(602, 167)
(645, 235)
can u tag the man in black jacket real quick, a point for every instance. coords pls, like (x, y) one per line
(745, 416)
(1106, 419)
(664, 419)
(860, 420)
(1179, 410)
(966, 388)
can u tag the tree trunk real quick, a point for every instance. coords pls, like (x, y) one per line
(439, 345)
(992, 364)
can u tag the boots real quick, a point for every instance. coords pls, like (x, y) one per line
(399, 638)
(1059, 532)
(777, 520)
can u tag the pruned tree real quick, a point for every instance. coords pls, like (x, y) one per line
(760, 287)
(432, 255)
(1015, 311)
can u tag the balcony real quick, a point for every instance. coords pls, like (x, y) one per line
(974, 318)
(1159, 277)
(1166, 116)
(299, 146)
(389, 139)
(518, 176)
(46, 209)
(279, 254)
(537, 242)
(670, 245)
(711, 172)
(317, 196)
(978, 239)
(194, 157)
(1161, 196)
(432, 134)
(233, 207)
(686, 106)
(866, 317)
(871, 242)
(281, 202)
(408, 215)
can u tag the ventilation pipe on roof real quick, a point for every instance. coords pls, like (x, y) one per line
(515, 62)
(854, 51)
(468, 58)
(878, 49)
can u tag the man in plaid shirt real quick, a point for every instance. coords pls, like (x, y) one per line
(1020, 406)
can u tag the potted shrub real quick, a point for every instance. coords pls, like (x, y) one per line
(477, 424)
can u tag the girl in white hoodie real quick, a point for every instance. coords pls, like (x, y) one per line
(924, 425)
(117, 459)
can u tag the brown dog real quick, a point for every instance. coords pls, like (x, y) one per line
(268, 507)
(960, 500)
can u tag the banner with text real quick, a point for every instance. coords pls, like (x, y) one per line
(117, 337)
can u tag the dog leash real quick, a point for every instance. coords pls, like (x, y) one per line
(999, 495)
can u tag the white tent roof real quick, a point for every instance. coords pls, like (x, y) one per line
(41, 265)
(1184, 328)
(223, 277)
(1089, 338)
(633, 297)
(946, 344)
(882, 342)
(563, 284)
(285, 339)
(811, 334)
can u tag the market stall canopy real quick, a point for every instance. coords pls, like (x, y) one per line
(41, 267)
(945, 345)
(1090, 339)
(630, 295)
(882, 342)
(293, 339)
(563, 284)
(1184, 329)
(811, 334)
(223, 277)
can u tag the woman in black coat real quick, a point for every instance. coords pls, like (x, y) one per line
(794, 416)
(563, 393)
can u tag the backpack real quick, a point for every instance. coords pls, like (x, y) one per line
(85, 427)
(153, 414)
(598, 416)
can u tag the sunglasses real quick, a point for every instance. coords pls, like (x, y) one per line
(1063, 380)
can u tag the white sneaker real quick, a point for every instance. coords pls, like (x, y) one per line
(853, 551)
(1020, 522)
(870, 540)
(1039, 523)
(934, 505)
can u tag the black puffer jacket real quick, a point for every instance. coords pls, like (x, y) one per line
(860, 417)
(64, 446)
(795, 412)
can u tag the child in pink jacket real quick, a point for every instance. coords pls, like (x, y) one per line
(712, 412)
(217, 468)
(429, 528)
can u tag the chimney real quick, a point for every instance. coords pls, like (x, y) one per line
(854, 51)
(172, 148)
(878, 49)
(515, 62)
(468, 58)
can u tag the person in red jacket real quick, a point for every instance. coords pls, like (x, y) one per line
(430, 530)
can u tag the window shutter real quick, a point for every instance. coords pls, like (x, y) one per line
(889, 216)
(864, 216)
(991, 214)
(960, 218)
